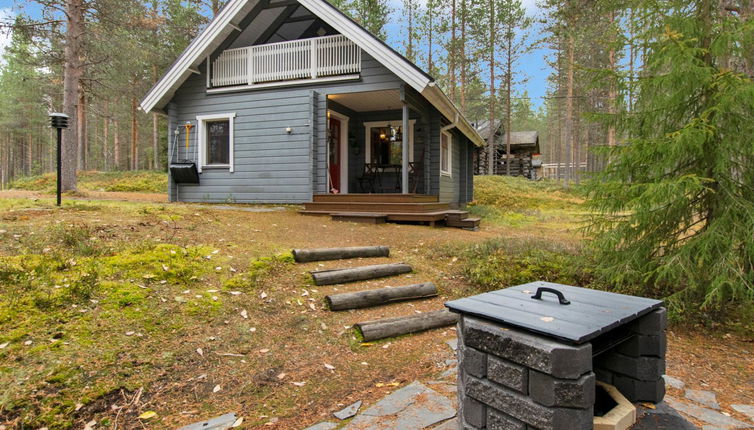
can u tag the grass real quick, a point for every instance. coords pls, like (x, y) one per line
(516, 202)
(88, 180)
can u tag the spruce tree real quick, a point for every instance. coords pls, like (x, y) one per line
(675, 204)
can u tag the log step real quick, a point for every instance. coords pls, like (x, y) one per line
(381, 296)
(365, 217)
(341, 276)
(391, 327)
(323, 254)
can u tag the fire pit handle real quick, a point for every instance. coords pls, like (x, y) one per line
(561, 297)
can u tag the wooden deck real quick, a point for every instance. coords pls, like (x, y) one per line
(377, 208)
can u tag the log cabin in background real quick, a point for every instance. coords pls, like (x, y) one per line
(525, 160)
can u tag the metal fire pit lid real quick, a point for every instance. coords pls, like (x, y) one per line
(587, 313)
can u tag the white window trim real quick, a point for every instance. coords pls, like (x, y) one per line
(201, 120)
(449, 172)
(368, 126)
(343, 150)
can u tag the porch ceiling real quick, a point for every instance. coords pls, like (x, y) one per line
(369, 101)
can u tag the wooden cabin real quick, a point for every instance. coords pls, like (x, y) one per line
(293, 102)
(524, 150)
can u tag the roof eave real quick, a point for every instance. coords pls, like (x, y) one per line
(440, 100)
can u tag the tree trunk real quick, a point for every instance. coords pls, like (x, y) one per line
(452, 53)
(155, 142)
(72, 72)
(83, 136)
(508, 79)
(612, 94)
(105, 135)
(29, 153)
(134, 136)
(116, 145)
(463, 57)
(569, 112)
(491, 136)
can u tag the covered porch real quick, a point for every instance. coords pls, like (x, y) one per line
(376, 144)
(384, 160)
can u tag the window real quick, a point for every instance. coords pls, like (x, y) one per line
(384, 142)
(446, 151)
(215, 134)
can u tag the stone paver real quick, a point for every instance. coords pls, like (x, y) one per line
(348, 411)
(448, 425)
(674, 382)
(327, 425)
(413, 407)
(747, 410)
(705, 414)
(705, 398)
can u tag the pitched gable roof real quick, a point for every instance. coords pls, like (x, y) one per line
(226, 22)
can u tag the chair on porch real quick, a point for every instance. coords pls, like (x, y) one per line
(415, 171)
(368, 179)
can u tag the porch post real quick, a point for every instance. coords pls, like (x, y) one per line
(404, 153)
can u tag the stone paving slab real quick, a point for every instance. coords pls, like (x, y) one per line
(448, 425)
(704, 398)
(348, 411)
(674, 382)
(707, 415)
(747, 410)
(327, 425)
(413, 407)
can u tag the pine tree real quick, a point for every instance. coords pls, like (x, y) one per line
(675, 205)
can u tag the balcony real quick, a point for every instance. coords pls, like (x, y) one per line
(314, 58)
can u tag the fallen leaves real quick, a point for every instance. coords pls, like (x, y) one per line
(4, 345)
(217, 389)
(244, 314)
(200, 351)
(147, 415)
(329, 367)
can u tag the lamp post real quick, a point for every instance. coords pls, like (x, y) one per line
(59, 121)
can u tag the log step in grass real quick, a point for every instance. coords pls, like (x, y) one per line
(341, 276)
(391, 327)
(380, 296)
(323, 254)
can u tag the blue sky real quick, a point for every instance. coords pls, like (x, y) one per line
(532, 66)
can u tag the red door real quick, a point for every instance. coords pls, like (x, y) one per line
(333, 164)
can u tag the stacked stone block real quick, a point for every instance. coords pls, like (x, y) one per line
(635, 367)
(511, 379)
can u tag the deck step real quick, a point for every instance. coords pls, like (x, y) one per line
(470, 223)
(341, 207)
(365, 217)
(375, 198)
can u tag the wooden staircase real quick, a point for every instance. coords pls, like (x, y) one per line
(379, 208)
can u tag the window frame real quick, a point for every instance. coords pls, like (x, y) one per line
(449, 171)
(368, 126)
(201, 131)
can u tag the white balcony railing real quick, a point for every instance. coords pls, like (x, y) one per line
(283, 61)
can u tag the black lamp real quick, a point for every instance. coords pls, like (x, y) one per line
(59, 121)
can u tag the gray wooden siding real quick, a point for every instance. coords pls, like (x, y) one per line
(454, 188)
(270, 166)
